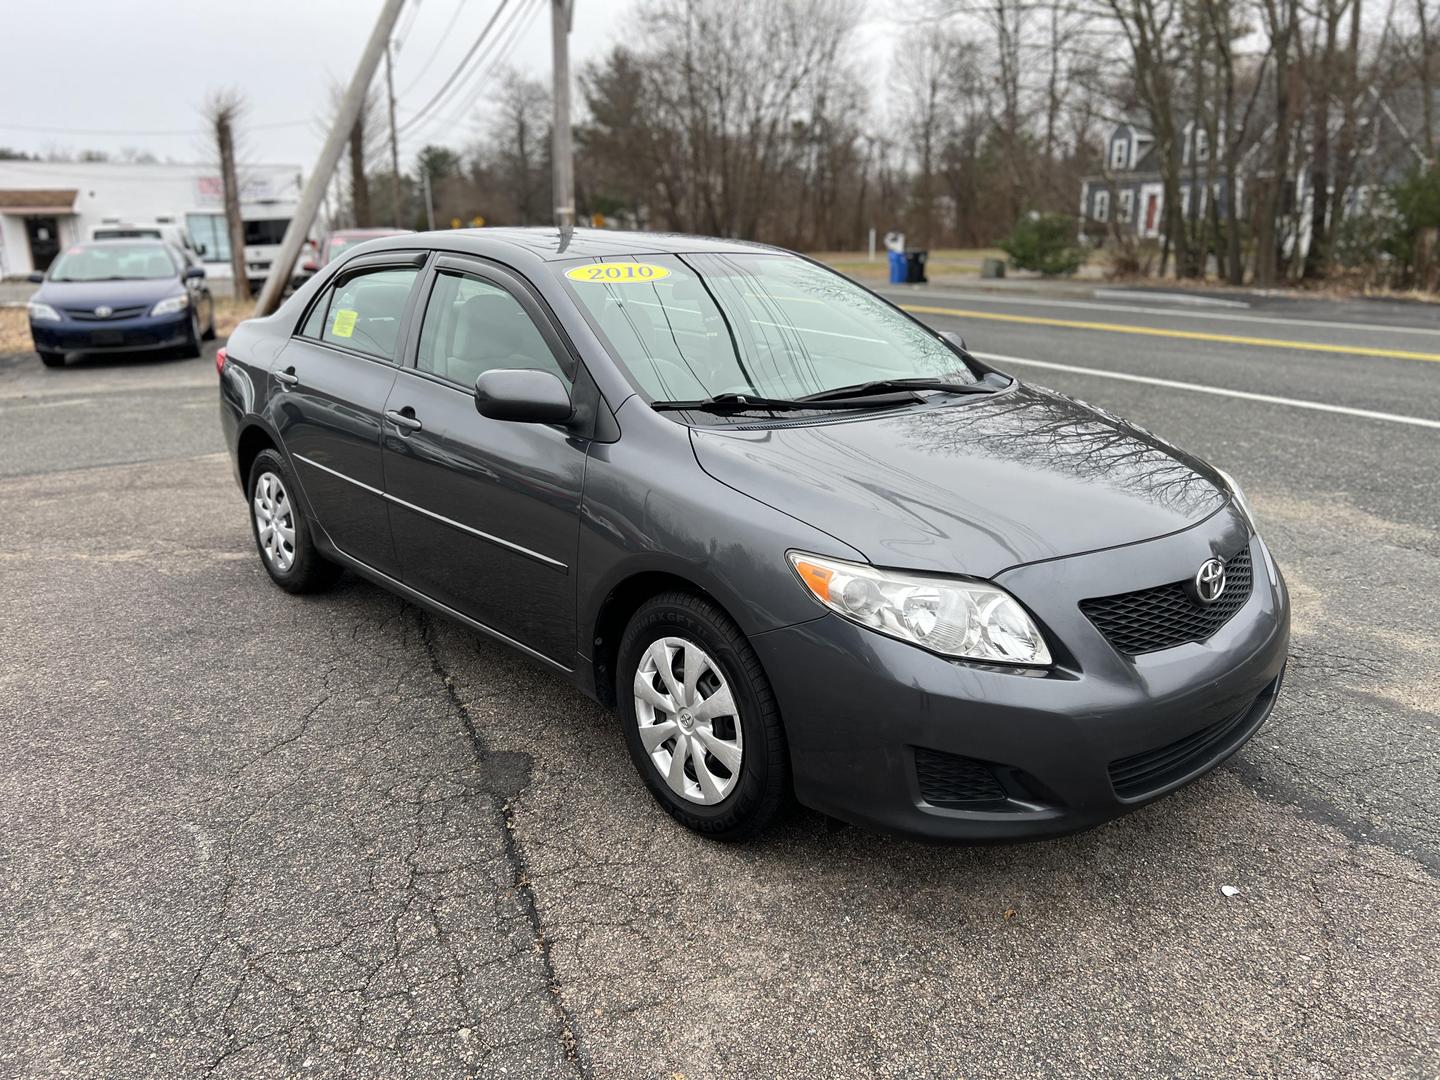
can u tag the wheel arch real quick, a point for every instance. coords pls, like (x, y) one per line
(253, 438)
(621, 602)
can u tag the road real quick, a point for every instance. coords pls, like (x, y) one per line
(245, 834)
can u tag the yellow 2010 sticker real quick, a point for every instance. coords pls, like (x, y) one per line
(344, 324)
(618, 273)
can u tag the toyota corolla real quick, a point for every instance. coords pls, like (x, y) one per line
(120, 296)
(803, 544)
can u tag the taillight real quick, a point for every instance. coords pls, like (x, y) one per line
(219, 360)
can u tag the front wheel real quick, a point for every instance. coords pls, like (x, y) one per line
(192, 347)
(282, 534)
(700, 718)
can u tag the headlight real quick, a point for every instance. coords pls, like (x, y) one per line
(42, 312)
(172, 304)
(1240, 500)
(945, 615)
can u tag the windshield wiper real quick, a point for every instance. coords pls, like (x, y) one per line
(878, 386)
(731, 401)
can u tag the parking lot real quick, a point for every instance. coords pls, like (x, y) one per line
(245, 833)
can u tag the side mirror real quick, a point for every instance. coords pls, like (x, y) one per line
(194, 272)
(524, 396)
(36, 277)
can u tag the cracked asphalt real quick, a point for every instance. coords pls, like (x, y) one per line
(244, 834)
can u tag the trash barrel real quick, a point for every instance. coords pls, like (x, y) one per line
(915, 267)
(897, 268)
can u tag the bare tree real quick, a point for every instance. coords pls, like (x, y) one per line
(223, 109)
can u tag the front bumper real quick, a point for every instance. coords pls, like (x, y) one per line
(876, 725)
(112, 335)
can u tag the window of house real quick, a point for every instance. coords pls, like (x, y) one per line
(210, 236)
(473, 326)
(1119, 153)
(363, 312)
(1102, 206)
(1202, 144)
(1126, 211)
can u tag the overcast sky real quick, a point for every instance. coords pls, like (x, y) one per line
(96, 74)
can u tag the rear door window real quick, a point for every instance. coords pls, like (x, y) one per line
(364, 312)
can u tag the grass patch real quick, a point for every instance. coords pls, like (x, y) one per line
(943, 262)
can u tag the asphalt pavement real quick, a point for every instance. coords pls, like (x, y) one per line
(249, 834)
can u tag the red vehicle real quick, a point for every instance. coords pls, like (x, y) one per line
(343, 239)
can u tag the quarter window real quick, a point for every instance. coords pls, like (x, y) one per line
(363, 312)
(473, 326)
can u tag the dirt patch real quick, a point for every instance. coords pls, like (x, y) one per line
(14, 331)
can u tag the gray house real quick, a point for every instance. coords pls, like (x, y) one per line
(1130, 196)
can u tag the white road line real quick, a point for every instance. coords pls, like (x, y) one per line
(1199, 388)
(46, 404)
(919, 297)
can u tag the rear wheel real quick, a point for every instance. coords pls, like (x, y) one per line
(700, 718)
(52, 359)
(282, 534)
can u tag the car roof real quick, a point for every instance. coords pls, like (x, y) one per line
(132, 241)
(553, 244)
(371, 231)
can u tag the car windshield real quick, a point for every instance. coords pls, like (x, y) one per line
(114, 261)
(772, 325)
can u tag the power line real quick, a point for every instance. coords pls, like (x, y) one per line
(439, 44)
(474, 83)
(419, 113)
(138, 134)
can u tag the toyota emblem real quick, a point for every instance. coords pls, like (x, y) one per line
(1210, 581)
(104, 312)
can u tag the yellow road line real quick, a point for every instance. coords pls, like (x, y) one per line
(1185, 335)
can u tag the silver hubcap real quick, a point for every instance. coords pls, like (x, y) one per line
(275, 521)
(688, 722)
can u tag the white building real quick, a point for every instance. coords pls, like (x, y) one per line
(45, 205)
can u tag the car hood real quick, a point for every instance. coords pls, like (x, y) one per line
(115, 294)
(970, 487)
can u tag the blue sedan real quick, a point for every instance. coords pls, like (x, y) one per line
(120, 296)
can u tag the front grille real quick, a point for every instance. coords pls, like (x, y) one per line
(1140, 774)
(88, 314)
(1168, 615)
(953, 780)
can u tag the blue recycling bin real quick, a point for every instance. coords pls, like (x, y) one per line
(897, 268)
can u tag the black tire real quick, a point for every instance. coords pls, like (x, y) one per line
(762, 789)
(209, 334)
(308, 570)
(192, 348)
(51, 359)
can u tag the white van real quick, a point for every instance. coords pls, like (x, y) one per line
(158, 230)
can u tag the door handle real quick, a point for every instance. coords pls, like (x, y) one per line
(403, 421)
(287, 377)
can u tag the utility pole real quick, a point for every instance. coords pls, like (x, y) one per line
(224, 109)
(350, 106)
(429, 200)
(395, 221)
(564, 162)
